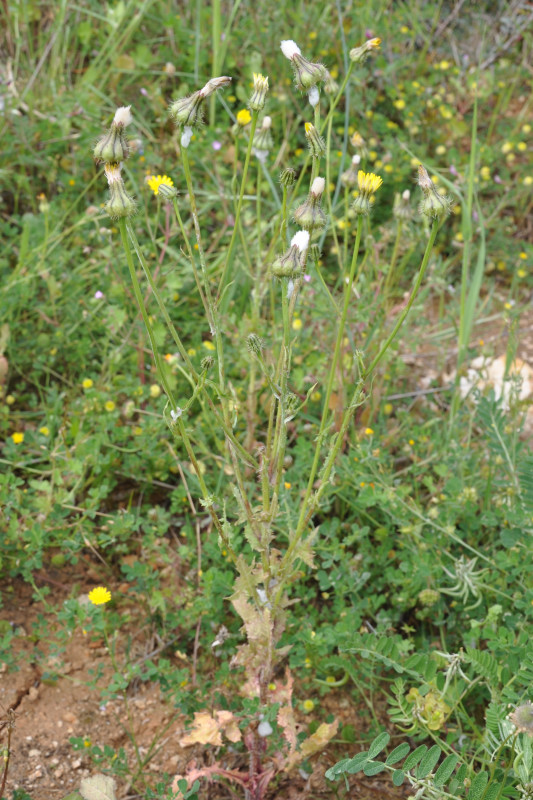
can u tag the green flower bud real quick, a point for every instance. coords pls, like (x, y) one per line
(287, 177)
(433, 205)
(317, 145)
(306, 73)
(309, 215)
(289, 264)
(187, 111)
(167, 192)
(120, 204)
(257, 100)
(360, 54)
(255, 345)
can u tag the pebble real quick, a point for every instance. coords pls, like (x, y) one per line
(36, 774)
(34, 753)
(76, 764)
(33, 693)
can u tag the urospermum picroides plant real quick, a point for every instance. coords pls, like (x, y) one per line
(256, 452)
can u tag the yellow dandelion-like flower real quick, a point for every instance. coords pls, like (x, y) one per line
(369, 431)
(18, 438)
(109, 405)
(287, 485)
(87, 383)
(99, 596)
(155, 390)
(209, 345)
(243, 117)
(308, 706)
(368, 182)
(155, 181)
(297, 324)
(44, 430)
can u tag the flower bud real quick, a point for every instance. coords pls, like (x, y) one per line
(287, 177)
(263, 140)
(306, 73)
(257, 100)
(120, 204)
(255, 344)
(314, 253)
(167, 192)
(316, 144)
(349, 177)
(402, 208)
(309, 215)
(359, 54)
(433, 205)
(187, 111)
(207, 363)
(331, 87)
(289, 265)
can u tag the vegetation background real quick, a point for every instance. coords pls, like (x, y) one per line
(415, 620)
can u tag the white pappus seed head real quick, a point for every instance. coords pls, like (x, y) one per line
(264, 728)
(406, 194)
(186, 136)
(267, 122)
(301, 241)
(290, 49)
(356, 160)
(123, 116)
(318, 186)
(314, 96)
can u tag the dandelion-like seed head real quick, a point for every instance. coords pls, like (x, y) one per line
(318, 186)
(99, 596)
(289, 48)
(123, 116)
(214, 85)
(522, 718)
(156, 181)
(301, 241)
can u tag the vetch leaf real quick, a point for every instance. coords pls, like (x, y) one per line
(412, 760)
(398, 777)
(357, 762)
(380, 743)
(444, 772)
(398, 753)
(429, 761)
(477, 787)
(373, 768)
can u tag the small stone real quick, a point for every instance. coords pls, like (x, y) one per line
(34, 753)
(33, 694)
(68, 716)
(36, 774)
(76, 764)
(59, 771)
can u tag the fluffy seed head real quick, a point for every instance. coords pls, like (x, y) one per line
(522, 718)
(123, 116)
(318, 186)
(290, 49)
(301, 241)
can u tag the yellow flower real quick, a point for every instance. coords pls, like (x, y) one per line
(521, 146)
(388, 408)
(287, 485)
(44, 430)
(86, 742)
(243, 117)
(18, 438)
(522, 255)
(109, 405)
(87, 383)
(308, 706)
(10, 399)
(315, 397)
(369, 431)
(209, 345)
(528, 180)
(297, 324)
(399, 104)
(507, 147)
(521, 273)
(485, 173)
(99, 596)
(154, 182)
(155, 390)
(368, 182)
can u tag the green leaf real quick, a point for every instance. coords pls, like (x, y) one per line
(445, 770)
(337, 769)
(398, 777)
(373, 768)
(477, 787)
(357, 762)
(398, 753)
(412, 760)
(429, 761)
(380, 743)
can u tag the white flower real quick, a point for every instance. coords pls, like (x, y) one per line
(174, 415)
(301, 240)
(314, 96)
(186, 136)
(290, 49)
(123, 116)
(318, 186)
